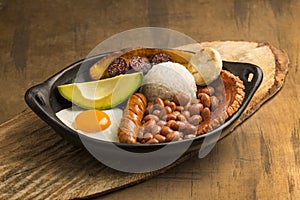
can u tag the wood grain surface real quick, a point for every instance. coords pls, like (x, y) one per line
(38, 164)
(259, 160)
(48, 151)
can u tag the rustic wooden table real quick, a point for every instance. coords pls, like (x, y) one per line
(259, 160)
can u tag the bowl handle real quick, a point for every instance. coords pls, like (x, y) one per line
(37, 98)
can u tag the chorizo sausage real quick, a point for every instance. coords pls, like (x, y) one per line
(131, 121)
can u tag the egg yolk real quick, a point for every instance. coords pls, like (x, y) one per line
(91, 121)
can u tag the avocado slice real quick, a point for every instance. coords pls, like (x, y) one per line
(102, 94)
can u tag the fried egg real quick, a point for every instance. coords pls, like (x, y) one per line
(102, 125)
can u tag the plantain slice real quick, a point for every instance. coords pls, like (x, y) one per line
(99, 69)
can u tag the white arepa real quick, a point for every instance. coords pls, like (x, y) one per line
(206, 66)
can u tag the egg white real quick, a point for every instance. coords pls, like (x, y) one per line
(67, 116)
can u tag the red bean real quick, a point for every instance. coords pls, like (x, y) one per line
(181, 125)
(155, 129)
(205, 113)
(190, 129)
(152, 141)
(207, 90)
(181, 118)
(170, 116)
(186, 113)
(195, 101)
(214, 102)
(148, 108)
(156, 112)
(195, 109)
(151, 116)
(205, 99)
(187, 106)
(179, 108)
(149, 122)
(166, 102)
(195, 120)
(160, 138)
(148, 136)
(172, 105)
(165, 130)
(174, 136)
(168, 109)
(161, 123)
(176, 113)
(173, 125)
(173, 121)
(158, 101)
(181, 99)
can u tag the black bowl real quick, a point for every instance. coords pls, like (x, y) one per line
(45, 100)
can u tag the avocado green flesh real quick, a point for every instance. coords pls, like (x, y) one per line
(115, 90)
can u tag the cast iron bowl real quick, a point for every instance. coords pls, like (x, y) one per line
(45, 100)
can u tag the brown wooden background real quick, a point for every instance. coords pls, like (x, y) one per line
(259, 160)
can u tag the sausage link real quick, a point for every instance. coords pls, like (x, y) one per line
(131, 121)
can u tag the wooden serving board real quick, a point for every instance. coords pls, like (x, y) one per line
(38, 163)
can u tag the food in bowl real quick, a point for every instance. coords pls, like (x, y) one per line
(93, 125)
(165, 79)
(174, 99)
(104, 93)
